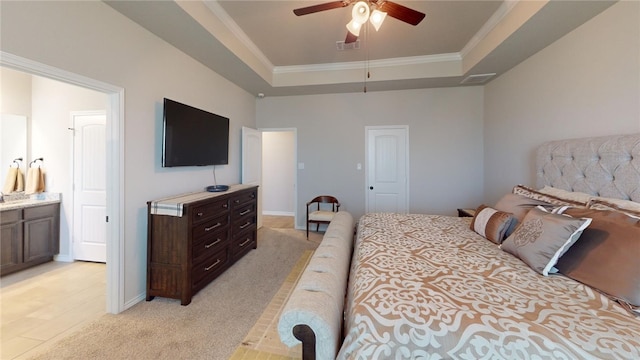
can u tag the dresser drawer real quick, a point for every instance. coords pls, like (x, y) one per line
(243, 212)
(243, 243)
(203, 212)
(208, 245)
(244, 198)
(244, 224)
(209, 227)
(208, 267)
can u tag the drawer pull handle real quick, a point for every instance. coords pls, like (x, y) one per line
(237, 201)
(212, 265)
(212, 227)
(200, 214)
(213, 243)
(253, 196)
(245, 225)
(225, 205)
(245, 242)
(245, 212)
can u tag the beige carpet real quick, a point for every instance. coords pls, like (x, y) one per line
(263, 341)
(211, 327)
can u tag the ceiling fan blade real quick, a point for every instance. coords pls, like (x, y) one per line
(402, 13)
(320, 7)
(350, 38)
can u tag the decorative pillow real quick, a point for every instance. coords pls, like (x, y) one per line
(552, 199)
(628, 207)
(607, 257)
(574, 196)
(518, 205)
(492, 224)
(543, 237)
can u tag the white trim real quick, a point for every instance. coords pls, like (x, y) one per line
(279, 213)
(115, 162)
(403, 61)
(503, 10)
(237, 32)
(63, 258)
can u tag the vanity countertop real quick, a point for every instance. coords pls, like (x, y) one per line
(37, 200)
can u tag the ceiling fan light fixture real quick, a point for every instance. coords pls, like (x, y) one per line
(354, 27)
(377, 18)
(360, 12)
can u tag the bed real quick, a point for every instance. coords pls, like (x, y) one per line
(548, 272)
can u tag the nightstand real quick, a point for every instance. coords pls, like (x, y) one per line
(466, 212)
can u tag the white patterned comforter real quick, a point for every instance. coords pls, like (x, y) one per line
(427, 287)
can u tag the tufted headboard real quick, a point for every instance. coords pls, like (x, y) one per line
(607, 166)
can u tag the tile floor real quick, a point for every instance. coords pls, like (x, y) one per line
(40, 305)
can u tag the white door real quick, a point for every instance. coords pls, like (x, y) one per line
(89, 187)
(252, 162)
(387, 154)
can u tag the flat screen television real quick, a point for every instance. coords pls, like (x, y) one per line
(193, 137)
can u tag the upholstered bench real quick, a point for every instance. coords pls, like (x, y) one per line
(313, 314)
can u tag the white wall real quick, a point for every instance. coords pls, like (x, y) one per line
(278, 172)
(585, 84)
(91, 39)
(15, 92)
(15, 100)
(445, 138)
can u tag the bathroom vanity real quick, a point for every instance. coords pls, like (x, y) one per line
(29, 234)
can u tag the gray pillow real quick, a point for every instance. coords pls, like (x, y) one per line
(543, 237)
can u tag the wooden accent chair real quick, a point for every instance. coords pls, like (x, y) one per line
(321, 214)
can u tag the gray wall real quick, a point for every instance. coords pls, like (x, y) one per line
(585, 84)
(445, 138)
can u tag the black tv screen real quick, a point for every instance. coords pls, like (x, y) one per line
(193, 137)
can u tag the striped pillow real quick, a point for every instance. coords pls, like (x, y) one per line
(492, 224)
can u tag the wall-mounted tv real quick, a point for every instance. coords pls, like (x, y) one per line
(193, 137)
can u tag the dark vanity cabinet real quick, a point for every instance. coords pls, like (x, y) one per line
(28, 236)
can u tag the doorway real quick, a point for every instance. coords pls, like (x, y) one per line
(279, 181)
(269, 160)
(114, 154)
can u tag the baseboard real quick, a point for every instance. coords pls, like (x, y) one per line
(135, 300)
(63, 258)
(278, 213)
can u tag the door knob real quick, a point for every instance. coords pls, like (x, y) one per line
(370, 187)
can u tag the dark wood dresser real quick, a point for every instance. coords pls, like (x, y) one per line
(193, 238)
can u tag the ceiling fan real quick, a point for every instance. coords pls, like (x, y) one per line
(373, 10)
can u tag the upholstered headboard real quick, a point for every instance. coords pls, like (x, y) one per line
(607, 166)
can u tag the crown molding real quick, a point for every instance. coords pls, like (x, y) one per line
(237, 32)
(36, 68)
(503, 10)
(393, 62)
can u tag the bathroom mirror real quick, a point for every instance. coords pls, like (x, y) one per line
(13, 140)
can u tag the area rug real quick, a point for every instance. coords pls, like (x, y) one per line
(263, 342)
